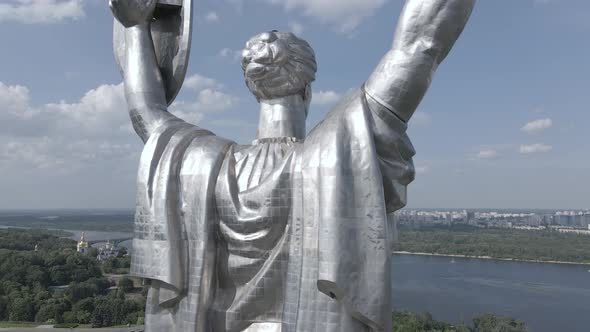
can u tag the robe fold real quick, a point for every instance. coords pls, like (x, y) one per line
(281, 235)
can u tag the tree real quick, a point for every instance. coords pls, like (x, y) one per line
(21, 309)
(492, 323)
(103, 314)
(81, 312)
(405, 321)
(126, 285)
(3, 308)
(84, 305)
(79, 291)
(53, 309)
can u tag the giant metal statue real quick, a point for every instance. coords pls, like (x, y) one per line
(290, 233)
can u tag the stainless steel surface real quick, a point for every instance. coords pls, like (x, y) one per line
(170, 3)
(290, 233)
(425, 34)
(171, 33)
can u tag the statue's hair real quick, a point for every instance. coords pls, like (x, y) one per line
(278, 64)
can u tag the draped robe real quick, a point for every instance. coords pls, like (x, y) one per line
(280, 235)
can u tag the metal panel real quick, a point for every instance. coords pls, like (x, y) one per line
(171, 33)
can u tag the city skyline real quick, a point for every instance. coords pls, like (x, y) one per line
(502, 126)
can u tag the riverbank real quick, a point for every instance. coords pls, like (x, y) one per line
(496, 243)
(488, 258)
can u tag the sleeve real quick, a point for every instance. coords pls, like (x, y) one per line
(159, 243)
(395, 152)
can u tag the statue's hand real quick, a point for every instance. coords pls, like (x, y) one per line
(133, 12)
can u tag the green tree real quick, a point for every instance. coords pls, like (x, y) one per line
(53, 309)
(493, 323)
(21, 309)
(125, 284)
(3, 307)
(103, 314)
(81, 312)
(406, 321)
(78, 291)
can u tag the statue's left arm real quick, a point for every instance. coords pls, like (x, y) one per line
(426, 32)
(144, 86)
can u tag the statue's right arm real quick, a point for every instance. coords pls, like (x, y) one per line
(426, 32)
(144, 86)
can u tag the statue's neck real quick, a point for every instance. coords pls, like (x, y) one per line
(282, 117)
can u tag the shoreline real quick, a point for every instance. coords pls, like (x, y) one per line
(488, 258)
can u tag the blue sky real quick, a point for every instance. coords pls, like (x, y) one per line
(504, 124)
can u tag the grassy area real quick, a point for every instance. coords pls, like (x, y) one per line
(111, 222)
(18, 324)
(497, 243)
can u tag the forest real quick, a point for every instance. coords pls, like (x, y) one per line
(55, 284)
(546, 245)
(407, 321)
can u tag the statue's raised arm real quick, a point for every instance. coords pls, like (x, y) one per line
(426, 32)
(152, 73)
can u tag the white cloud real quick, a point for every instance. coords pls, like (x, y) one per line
(91, 132)
(225, 52)
(322, 98)
(344, 15)
(14, 100)
(212, 17)
(61, 137)
(535, 148)
(422, 169)
(297, 28)
(98, 110)
(208, 100)
(40, 11)
(234, 55)
(537, 126)
(200, 82)
(487, 153)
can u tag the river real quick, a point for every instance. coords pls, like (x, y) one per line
(548, 297)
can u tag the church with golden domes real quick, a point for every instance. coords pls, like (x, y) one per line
(82, 246)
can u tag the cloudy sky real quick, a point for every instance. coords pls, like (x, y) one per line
(504, 125)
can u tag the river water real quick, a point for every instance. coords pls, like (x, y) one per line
(548, 297)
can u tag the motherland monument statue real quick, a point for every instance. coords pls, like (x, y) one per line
(291, 232)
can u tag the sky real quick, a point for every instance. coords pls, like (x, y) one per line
(504, 124)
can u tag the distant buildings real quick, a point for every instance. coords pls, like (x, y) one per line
(107, 251)
(82, 246)
(570, 229)
(569, 221)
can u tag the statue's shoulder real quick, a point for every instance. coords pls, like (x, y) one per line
(338, 115)
(180, 141)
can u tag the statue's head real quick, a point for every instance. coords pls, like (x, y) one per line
(278, 64)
